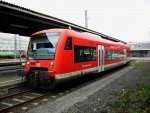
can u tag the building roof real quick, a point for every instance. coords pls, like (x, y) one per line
(17, 19)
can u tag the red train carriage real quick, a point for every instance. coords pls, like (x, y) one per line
(60, 54)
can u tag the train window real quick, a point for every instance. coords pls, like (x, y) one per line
(128, 53)
(113, 55)
(108, 55)
(118, 57)
(83, 53)
(120, 54)
(43, 46)
(87, 54)
(93, 53)
(68, 45)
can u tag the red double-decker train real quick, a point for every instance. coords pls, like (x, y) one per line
(61, 54)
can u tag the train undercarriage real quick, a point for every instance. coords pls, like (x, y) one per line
(39, 78)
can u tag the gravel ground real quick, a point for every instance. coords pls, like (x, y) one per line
(95, 97)
(98, 102)
(14, 90)
(79, 95)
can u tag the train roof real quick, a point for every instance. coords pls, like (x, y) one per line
(49, 30)
(94, 37)
(84, 35)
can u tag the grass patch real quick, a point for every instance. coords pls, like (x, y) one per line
(135, 100)
(147, 67)
(136, 63)
(148, 77)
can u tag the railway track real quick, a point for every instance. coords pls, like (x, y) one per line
(22, 98)
(5, 70)
(15, 101)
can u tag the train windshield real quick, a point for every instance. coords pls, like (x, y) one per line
(43, 46)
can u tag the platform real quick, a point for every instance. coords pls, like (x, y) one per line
(141, 58)
(9, 81)
(11, 61)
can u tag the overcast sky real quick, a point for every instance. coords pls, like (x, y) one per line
(127, 20)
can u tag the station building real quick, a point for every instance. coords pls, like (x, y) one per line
(139, 49)
(11, 42)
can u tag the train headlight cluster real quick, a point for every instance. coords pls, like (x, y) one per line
(27, 64)
(51, 64)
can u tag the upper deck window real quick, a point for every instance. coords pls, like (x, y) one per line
(43, 46)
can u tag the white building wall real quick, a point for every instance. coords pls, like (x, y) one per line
(7, 42)
(140, 45)
(139, 49)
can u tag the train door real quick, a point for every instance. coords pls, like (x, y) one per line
(125, 56)
(68, 59)
(100, 58)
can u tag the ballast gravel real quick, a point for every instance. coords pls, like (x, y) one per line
(94, 98)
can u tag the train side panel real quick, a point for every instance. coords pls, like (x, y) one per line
(65, 55)
(85, 58)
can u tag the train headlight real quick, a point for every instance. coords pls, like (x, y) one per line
(51, 64)
(28, 63)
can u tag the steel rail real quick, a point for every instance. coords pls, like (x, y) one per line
(13, 95)
(7, 109)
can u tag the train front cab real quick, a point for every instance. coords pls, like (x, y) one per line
(40, 68)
